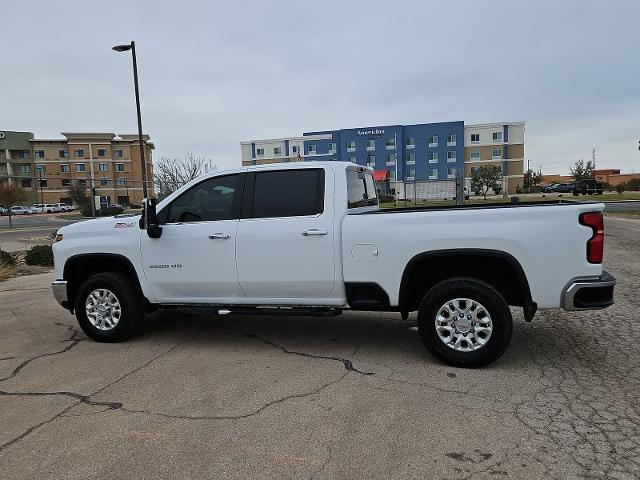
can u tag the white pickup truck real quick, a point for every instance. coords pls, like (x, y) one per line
(309, 238)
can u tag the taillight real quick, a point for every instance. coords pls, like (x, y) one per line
(595, 245)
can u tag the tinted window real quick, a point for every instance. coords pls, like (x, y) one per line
(288, 193)
(213, 199)
(361, 189)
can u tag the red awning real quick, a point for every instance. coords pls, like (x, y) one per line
(381, 175)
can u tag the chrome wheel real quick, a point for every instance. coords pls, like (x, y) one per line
(463, 324)
(103, 309)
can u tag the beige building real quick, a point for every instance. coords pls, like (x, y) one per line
(497, 144)
(50, 166)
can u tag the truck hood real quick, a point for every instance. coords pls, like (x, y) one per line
(101, 225)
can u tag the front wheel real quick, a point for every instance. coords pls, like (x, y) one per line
(465, 322)
(107, 307)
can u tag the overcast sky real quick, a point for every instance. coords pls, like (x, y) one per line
(214, 73)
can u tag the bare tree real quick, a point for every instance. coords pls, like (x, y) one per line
(11, 195)
(169, 174)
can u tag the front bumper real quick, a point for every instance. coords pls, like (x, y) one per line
(59, 288)
(589, 293)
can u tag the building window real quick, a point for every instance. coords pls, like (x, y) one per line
(392, 175)
(117, 153)
(411, 158)
(432, 157)
(119, 167)
(277, 151)
(371, 160)
(25, 169)
(390, 143)
(64, 168)
(103, 167)
(78, 153)
(42, 183)
(353, 159)
(411, 142)
(312, 148)
(351, 145)
(371, 144)
(451, 172)
(26, 183)
(451, 156)
(390, 158)
(497, 136)
(79, 167)
(23, 154)
(294, 149)
(499, 168)
(332, 148)
(451, 140)
(66, 182)
(63, 154)
(120, 182)
(102, 152)
(475, 155)
(104, 181)
(433, 141)
(411, 174)
(496, 153)
(475, 137)
(259, 151)
(41, 168)
(39, 153)
(433, 174)
(82, 183)
(474, 170)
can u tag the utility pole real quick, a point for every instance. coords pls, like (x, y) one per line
(593, 157)
(40, 185)
(395, 141)
(93, 196)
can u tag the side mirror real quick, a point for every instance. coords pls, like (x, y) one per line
(149, 218)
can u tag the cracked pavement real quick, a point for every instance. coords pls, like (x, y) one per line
(196, 395)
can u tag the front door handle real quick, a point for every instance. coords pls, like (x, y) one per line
(223, 236)
(313, 232)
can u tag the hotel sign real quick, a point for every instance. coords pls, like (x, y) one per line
(371, 131)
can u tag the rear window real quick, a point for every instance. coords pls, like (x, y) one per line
(288, 193)
(361, 189)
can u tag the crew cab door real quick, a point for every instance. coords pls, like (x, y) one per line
(286, 245)
(194, 259)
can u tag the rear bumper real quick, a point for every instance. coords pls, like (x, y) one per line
(59, 288)
(589, 293)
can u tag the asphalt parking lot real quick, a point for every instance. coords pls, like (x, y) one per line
(356, 396)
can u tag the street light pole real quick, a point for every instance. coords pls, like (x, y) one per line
(132, 47)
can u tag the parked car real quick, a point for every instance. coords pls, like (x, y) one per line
(64, 207)
(229, 241)
(549, 188)
(37, 208)
(588, 186)
(564, 188)
(20, 210)
(3, 211)
(51, 208)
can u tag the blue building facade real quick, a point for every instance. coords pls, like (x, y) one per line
(428, 151)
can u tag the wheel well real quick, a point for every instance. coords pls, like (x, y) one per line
(498, 269)
(80, 267)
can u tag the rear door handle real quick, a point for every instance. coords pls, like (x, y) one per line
(223, 236)
(314, 232)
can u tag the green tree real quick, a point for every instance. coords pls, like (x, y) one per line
(484, 178)
(621, 187)
(79, 197)
(581, 170)
(11, 195)
(531, 178)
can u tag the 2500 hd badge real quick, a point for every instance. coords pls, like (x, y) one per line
(175, 265)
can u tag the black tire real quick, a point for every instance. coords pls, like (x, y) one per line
(472, 289)
(130, 304)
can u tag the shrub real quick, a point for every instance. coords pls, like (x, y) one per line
(536, 189)
(633, 184)
(519, 189)
(110, 211)
(384, 198)
(6, 258)
(621, 187)
(497, 189)
(39, 255)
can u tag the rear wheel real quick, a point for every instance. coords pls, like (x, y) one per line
(465, 322)
(107, 307)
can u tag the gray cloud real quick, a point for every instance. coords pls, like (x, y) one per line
(215, 73)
